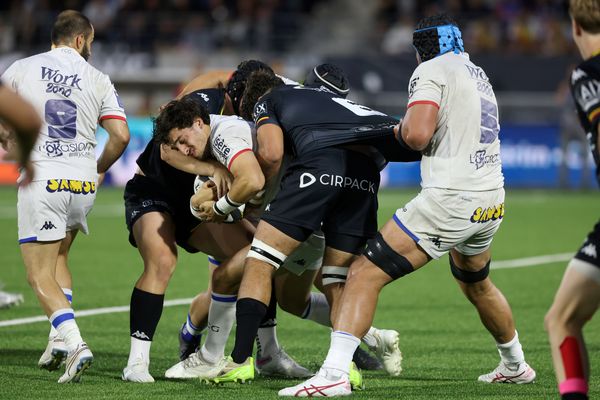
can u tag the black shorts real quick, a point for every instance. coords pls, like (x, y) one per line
(143, 195)
(588, 252)
(334, 187)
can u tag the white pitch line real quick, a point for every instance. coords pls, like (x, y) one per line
(530, 261)
(93, 311)
(516, 263)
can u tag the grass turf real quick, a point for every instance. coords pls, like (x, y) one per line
(445, 347)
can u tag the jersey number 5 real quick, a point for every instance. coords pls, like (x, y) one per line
(61, 117)
(489, 121)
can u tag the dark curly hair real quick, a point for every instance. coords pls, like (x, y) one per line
(259, 82)
(178, 114)
(237, 83)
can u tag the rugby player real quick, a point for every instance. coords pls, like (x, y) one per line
(72, 96)
(17, 139)
(458, 211)
(293, 288)
(332, 180)
(578, 296)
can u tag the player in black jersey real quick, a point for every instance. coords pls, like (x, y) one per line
(578, 296)
(332, 180)
(158, 217)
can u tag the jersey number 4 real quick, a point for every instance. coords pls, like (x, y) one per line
(61, 117)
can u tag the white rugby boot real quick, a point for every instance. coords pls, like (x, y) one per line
(138, 372)
(280, 364)
(388, 351)
(77, 362)
(503, 374)
(55, 354)
(320, 385)
(195, 366)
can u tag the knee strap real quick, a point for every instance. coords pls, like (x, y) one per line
(263, 252)
(469, 276)
(331, 274)
(390, 262)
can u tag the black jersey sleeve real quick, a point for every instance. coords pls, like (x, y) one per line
(586, 92)
(212, 99)
(265, 111)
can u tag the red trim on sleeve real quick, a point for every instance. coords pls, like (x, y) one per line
(235, 156)
(433, 103)
(102, 118)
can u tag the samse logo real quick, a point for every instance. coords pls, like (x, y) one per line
(481, 215)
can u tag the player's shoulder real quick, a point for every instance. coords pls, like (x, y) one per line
(222, 122)
(586, 70)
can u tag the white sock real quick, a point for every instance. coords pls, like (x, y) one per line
(369, 338)
(64, 322)
(221, 316)
(69, 295)
(318, 310)
(511, 353)
(267, 341)
(342, 348)
(140, 349)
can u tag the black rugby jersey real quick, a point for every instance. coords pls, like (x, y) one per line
(313, 118)
(155, 168)
(585, 87)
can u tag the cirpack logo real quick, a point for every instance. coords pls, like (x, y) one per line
(306, 180)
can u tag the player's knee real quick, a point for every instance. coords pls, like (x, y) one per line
(469, 277)
(162, 267)
(389, 261)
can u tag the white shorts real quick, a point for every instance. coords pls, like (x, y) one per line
(440, 220)
(308, 256)
(48, 209)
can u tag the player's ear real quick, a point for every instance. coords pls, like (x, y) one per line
(79, 41)
(575, 27)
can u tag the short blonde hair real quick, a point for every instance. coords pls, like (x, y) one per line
(586, 13)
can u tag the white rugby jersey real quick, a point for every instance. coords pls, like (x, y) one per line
(230, 136)
(464, 152)
(71, 97)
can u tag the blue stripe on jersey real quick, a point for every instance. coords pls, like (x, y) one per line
(224, 298)
(28, 239)
(405, 229)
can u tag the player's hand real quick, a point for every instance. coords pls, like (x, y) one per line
(207, 212)
(223, 180)
(101, 177)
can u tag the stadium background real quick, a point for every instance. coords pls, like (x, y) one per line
(150, 47)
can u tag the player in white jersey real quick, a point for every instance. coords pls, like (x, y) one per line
(72, 97)
(452, 118)
(17, 139)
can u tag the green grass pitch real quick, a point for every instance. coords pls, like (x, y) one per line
(445, 347)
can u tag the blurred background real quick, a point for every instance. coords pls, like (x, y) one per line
(151, 47)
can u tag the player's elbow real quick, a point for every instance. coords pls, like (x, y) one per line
(121, 136)
(417, 139)
(253, 182)
(31, 125)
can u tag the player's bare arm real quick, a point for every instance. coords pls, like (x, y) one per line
(270, 149)
(418, 125)
(221, 176)
(248, 180)
(118, 138)
(211, 79)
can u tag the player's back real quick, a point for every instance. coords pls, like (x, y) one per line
(71, 96)
(464, 152)
(312, 118)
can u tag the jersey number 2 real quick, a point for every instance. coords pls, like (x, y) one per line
(61, 117)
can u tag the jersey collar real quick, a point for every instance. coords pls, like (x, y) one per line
(67, 50)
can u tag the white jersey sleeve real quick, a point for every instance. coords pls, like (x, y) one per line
(111, 103)
(426, 86)
(230, 136)
(12, 76)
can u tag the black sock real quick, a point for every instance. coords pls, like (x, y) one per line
(144, 314)
(574, 396)
(270, 318)
(248, 314)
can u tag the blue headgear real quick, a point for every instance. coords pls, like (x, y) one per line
(437, 40)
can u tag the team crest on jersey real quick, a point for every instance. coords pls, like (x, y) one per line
(70, 185)
(588, 93)
(482, 215)
(259, 109)
(412, 85)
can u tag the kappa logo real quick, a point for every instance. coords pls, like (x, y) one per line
(47, 226)
(140, 335)
(590, 250)
(306, 180)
